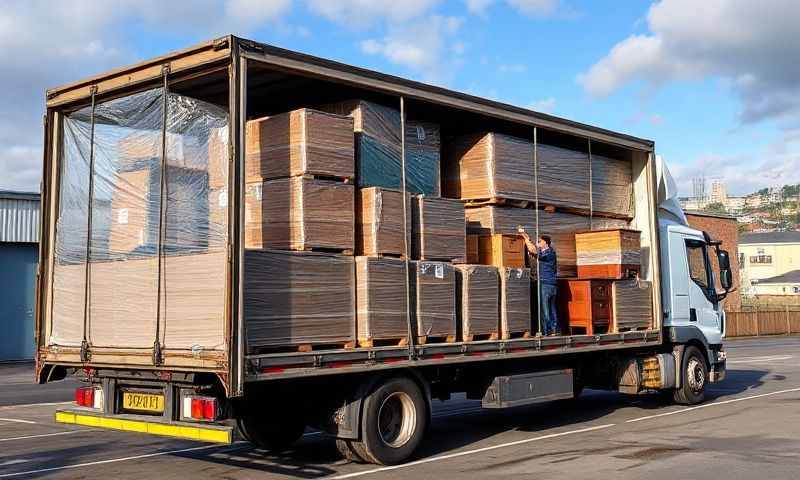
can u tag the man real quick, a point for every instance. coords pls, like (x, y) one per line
(545, 254)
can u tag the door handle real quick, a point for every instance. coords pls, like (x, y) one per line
(692, 315)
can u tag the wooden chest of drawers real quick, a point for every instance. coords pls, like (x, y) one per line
(585, 305)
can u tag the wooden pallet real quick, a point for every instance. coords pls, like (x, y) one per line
(424, 340)
(457, 260)
(340, 251)
(632, 329)
(513, 335)
(307, 347)
(584, 212)
(482, 337)
(498, 201)
(332, 178)
(383, 342)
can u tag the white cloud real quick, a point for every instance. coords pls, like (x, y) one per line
(365, 13)
(751, 45)
(478, 7)
(513, 68)
(535, 8)
(545, 105)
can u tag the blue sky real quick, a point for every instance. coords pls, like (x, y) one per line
(714, 86)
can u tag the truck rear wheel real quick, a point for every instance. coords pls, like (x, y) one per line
(345, 448)
(273, 434)
(393, 424)
(694, 376)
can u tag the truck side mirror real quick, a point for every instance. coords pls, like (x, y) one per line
(725, 274)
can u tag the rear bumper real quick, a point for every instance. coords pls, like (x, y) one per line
(222, 434)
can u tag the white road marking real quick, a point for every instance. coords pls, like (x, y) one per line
(761, 359)
(66, 432)
(24, 405)
(470, 452)
(713, 404)
(112, 460)
(17, 420)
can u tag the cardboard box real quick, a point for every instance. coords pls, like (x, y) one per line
(434, 300)
(477, 305)
(564, 178)
(299, 213)
(381, 303)
(612, 186)
(298, 299)
(299, 142)
(612, 254)
(489, 166)
(379, 222)
(218, 158)
(515, 302)
(472, 249)
(438, 229)
(423, 157)
(499, 250)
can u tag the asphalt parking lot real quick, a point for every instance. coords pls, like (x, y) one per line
(748, 428)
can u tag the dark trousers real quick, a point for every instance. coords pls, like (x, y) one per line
(548, 306)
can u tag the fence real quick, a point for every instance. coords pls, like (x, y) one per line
(754, 323)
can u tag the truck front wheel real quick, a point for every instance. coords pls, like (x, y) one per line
(694, 376)
(393, 424)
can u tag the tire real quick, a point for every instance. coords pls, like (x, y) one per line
(694, 377)
(272, 434)
(393, 423)
(345, 448)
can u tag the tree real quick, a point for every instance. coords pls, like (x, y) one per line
(716, 207)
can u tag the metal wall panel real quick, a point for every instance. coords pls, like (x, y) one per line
(17, 275)
(19, 218)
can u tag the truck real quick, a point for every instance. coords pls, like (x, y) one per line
(180, 374)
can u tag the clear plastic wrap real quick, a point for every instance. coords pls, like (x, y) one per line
(299, 213)
(608, 247)
(563, 177)
(299, 142)
(489, 166)
(612, 186)
(515, 302)
(423, 157)
(298, 298)
(477, 300)
(124, 271)
(379, 221)
(381, 307)
(438, 227)
(433, 290)
(633, 304)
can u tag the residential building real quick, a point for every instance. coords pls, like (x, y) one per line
(717, 193)
(724, 228)
(764, 256)
(735, 204)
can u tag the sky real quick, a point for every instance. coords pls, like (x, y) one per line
(716, 84)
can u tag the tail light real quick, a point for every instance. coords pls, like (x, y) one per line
(89, 397)
(200, 408)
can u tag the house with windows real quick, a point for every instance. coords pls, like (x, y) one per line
(770, 263)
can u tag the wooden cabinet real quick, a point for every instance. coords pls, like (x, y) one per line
(499, 250)
(585, 306)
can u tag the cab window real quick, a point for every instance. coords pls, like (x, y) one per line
(696, 254)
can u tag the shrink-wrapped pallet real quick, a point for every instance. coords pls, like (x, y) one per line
(612, 254)
(423, 151)
(299, 213)
(477, 295)
(297, 299)
(515, 302)
(489, 166)
(381, 303)
(379, 221)
(438, 227)
(612, 186)
(633, 305)
(433, 290)
(563, 177)
(299, 142)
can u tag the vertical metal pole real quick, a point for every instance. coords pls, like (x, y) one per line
(536, 200)
(591, 187)
(162, 212)
(87, 291)
(411, 339)
(240, 70)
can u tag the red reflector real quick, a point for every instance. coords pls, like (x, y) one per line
(209, 409)
(197, 408)
(272, 370)
(438, 356)
(84, 396)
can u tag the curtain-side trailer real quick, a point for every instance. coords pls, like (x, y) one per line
(178, 373)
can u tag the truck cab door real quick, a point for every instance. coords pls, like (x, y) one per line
(704, 309)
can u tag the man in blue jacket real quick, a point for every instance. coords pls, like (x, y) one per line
(545, 254)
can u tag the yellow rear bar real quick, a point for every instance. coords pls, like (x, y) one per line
(188, 431)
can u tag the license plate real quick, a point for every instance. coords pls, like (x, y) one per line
(143, 402)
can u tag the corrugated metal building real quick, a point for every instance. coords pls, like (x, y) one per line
(19, 238)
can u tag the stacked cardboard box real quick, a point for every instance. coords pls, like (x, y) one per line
(299, 142)
(379, 221)
(299, 213)
(489, 166)
(381, 303)
(438, 229)
(423, 151)
(478, 290)
(433, 290)
(612, 254)
(612, 186)
(515, 306)
(563, 177)
(298, 299)
(633, 305)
